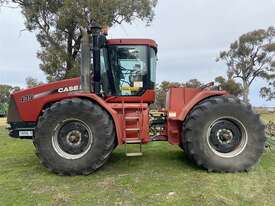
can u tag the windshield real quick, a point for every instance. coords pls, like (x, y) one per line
(129, 66)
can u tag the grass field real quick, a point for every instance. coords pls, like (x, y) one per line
(268, 116)
(163, 176)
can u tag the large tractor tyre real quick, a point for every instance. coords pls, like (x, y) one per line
(223, 134)
(74, 137)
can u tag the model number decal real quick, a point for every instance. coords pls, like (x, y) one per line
(27, 98)
(68, 89)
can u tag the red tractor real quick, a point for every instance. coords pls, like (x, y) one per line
(75, 124)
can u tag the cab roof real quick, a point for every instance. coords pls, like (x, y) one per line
(148, 42)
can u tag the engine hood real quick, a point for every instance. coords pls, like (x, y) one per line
(68, 85)
(25, 103)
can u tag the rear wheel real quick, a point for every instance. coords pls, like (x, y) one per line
(223, 134)
(74, 137)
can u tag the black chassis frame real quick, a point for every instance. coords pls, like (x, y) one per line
(16, 127)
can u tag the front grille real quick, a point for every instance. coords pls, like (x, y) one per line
(13, 114)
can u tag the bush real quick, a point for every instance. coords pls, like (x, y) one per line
(270, 134)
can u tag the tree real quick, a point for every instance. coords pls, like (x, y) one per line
(5, 91)
(268, 92)
(57, 25)
(164, 86)
(228, 85)
(193, 83)
(161, 91)
(32, 82)
(250, 57)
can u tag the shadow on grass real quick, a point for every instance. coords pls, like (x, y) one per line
(156, 157)
(164, 158)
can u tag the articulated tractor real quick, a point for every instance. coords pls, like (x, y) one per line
(75, 124)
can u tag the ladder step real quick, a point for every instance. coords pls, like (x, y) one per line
(131, 118)
(134, 154)
(133, 141)
(132, 129)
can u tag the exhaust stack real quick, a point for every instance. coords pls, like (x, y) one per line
(96, 57)
(85, 78)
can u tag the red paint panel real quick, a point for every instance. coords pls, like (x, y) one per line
(47, 94)
(139, 110)
(147, 97)
(148, 42)
(30, 110)
(180, 102)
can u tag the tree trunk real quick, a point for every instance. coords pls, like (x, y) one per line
(245, 91)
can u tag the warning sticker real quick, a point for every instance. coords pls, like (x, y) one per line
(138, 84)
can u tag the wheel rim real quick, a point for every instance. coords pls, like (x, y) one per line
(72, 139)
(227, 137)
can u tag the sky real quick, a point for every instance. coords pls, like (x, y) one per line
(190, 35)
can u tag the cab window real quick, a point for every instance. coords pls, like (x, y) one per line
(129, 66)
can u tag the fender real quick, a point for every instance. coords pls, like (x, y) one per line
(205, 94)
(180, 101)
(108, 109)
(94, 98)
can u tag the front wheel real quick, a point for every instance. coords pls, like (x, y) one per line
(74, 137)
(223, 134)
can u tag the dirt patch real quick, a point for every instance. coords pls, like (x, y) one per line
(61, 199)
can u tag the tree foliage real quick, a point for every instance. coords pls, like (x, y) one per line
(268, 92)
(164, 86)
(228, 85)
(251, 57)
(32, 82)
(192, 83)
(57, 25)
(5, 91)
(161, 91)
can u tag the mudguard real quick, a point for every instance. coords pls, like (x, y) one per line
(180, 101)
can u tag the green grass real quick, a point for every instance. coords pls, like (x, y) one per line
(268, 116)
(163, 176)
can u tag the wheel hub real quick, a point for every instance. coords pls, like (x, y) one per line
(226, 137)
(72, 139)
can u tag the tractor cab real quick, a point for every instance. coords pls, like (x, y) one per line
(123, 68)
(130, 67)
